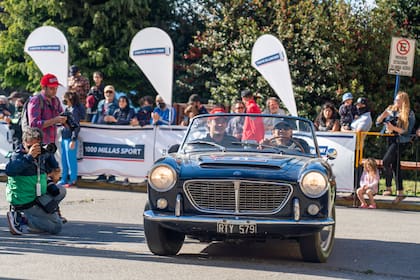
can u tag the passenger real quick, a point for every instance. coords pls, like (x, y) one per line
(272, 108)
(399, 120)
(69, 139)
(236, 124)
(253, 127)
(369, 182)
(328, 119)
(163, 114)
(283, 137)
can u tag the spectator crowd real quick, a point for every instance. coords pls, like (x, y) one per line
(44, 112)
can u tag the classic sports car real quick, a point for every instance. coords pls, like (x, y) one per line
(243, 176)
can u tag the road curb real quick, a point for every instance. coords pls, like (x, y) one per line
(409, 204)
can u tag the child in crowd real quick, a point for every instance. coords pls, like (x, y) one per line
(369, 182)
(347, 111)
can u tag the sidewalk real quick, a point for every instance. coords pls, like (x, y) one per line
(343, 199)
(410, 203)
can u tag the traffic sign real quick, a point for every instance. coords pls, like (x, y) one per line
(401, 57)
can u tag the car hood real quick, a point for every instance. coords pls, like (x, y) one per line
(244, 166)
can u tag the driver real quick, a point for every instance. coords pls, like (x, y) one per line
(217, 130)
(283, 137)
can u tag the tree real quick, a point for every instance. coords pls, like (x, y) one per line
(99, 34)
(332, 48)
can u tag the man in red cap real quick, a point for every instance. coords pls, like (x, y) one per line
(44, 109)
(217, 129)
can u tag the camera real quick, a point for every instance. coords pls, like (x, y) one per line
(392, 119)
(70, 120)
(50, 148)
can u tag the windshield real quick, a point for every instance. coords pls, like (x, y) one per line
(250, 133)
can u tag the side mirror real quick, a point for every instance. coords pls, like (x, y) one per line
(173, 149)
(331, 153)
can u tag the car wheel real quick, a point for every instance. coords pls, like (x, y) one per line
(317, 247)
(160, 240)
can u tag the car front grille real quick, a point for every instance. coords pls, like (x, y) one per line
(237, 197)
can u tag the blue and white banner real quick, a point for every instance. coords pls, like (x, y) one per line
(48, 48)
(270, 59)
(152, 50)
(124, 150)
(343, 165)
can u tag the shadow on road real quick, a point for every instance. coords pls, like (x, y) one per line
(126, 242)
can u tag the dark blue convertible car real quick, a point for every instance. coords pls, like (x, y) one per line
(243, 177)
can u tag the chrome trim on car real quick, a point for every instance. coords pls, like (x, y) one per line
(178, 203)
(296, 209)
(150, 215)
(239, 197)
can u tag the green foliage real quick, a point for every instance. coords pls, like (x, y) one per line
(332, 48)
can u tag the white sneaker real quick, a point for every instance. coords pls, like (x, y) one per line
(14, 226)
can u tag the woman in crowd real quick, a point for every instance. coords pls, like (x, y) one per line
(328, 119)
(75, 112)
(399, 120)
(123, 114)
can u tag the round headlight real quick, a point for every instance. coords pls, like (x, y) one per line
(162, 178)
(313, 184)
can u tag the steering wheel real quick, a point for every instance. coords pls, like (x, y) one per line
(294, 142)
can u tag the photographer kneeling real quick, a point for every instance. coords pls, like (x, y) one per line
(34, 200)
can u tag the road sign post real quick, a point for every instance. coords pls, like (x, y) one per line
(401, 59)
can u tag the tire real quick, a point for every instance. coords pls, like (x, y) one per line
(162, 241)
(317, 247)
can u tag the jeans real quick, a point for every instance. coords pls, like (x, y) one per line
(68, 162)
(40, 220)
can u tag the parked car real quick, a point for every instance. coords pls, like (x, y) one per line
(268, 181)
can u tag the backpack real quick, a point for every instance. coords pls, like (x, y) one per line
(24, 118)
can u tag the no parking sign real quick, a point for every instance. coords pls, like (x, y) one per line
(401, 58)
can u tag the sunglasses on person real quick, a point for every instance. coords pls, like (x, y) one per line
(109, 91)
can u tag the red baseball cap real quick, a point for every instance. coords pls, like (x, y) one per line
(217, 110)
(49, 80)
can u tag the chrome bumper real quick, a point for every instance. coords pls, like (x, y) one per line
(153, 216)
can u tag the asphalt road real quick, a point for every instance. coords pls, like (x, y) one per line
(104, 239)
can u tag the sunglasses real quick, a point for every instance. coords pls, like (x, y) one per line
(109, 91)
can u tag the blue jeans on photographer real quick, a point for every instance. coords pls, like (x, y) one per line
(40, 220)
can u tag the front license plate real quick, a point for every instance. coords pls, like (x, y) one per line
(237, 228)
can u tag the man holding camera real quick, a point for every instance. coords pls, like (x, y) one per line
(33, 198)
(45, 113)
